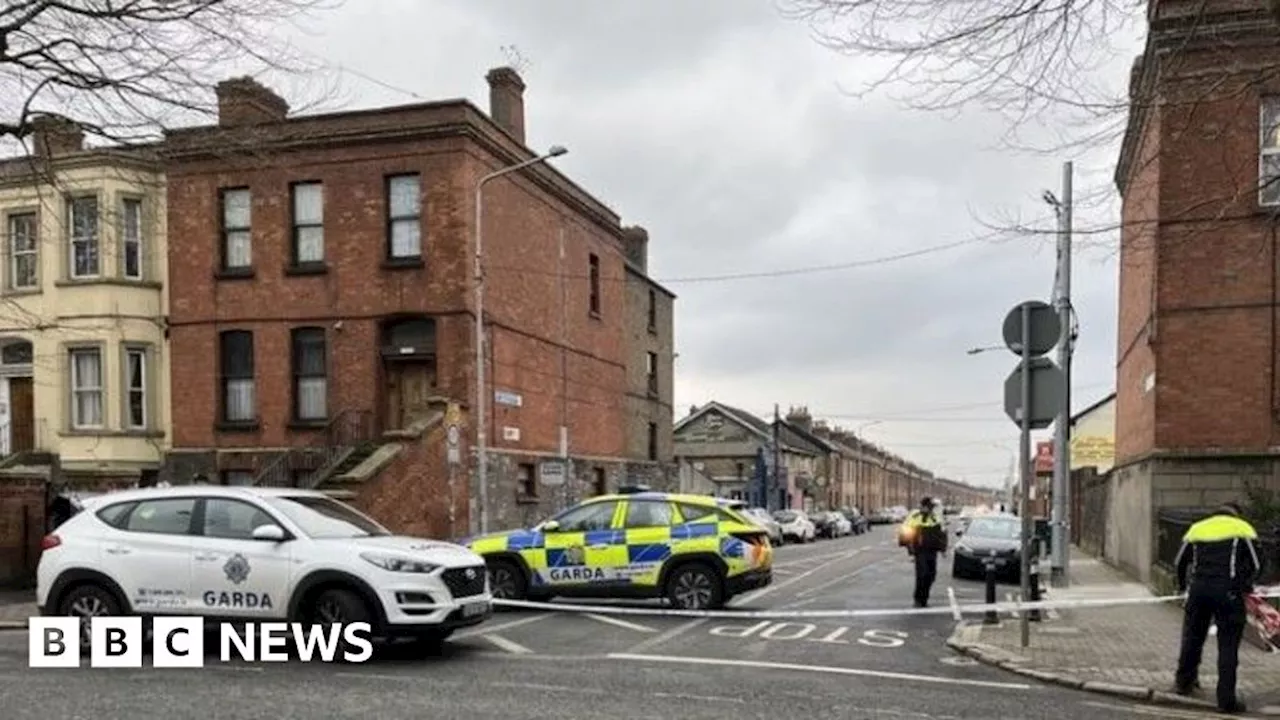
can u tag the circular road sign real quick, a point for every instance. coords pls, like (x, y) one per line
(453, 434)
(1046, 329)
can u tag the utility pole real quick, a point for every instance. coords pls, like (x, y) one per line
(1027, 476)
(777, 451)
(1060, 559)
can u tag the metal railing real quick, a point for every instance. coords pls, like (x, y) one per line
(1172, 525)
(347, 430)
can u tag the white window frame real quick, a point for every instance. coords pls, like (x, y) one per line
(79, 388)
(130, 391)
(229, 230)
(1268, 150)
(395, 251)
(94, 241)
(302, 225)
(15, 253)
(127, 242)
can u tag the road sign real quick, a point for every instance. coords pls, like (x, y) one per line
(1048, 384)
(552, 472)
(454, 434)
(453, 455)
(1046, 328)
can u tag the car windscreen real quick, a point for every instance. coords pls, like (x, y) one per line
(324, 518)
(995, 528)
(785, 515)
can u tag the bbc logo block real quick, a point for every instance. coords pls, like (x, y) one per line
(178, 642)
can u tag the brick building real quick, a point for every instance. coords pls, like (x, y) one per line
(650, 343)
(1197, 380)
(322, 295)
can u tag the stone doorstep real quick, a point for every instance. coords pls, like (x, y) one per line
(1013, 663)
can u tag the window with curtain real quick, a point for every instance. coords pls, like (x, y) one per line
(24, 252)
(238, 401)
(135, 373)
(310, 381)
(308, 223)
(131, 240)
(86, 388)
(237, 246)
(83, 211)
(404, 216)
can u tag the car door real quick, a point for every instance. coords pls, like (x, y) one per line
(579, 551)
(234, 575)
(647, 527)
(149, 554)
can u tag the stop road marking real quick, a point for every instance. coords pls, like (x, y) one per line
(766, 630)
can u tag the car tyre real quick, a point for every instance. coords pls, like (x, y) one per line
(694, 586)
(507, 580)
(88, 601)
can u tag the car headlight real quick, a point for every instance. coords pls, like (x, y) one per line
(399, 564)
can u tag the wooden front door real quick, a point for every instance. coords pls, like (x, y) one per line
(410, 384)
(22, 415)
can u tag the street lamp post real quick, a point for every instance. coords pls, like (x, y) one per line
(482, 455)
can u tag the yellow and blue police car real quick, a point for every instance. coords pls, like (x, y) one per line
(689, 549)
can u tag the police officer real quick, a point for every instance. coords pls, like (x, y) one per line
(1217, 566)
(924, 537)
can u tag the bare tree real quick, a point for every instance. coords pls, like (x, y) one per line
(123, 69)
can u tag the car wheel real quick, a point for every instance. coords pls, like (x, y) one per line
(88, 601)
(694, 587)
(507, 581)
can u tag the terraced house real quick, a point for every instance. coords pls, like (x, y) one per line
(83, 362)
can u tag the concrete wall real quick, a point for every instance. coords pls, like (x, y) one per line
(1130, 530)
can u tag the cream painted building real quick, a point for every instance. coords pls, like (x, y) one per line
(83, 370)
(1093, 436)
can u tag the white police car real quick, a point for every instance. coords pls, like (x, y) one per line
(255, 554)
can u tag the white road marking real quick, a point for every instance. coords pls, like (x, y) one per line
(486, 629)
(512, 647)
(726, 662)
(620, 623)
(843, 578)
(781, 571)
(955, 604)
(672, 633)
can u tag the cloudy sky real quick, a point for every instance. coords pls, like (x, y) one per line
(737, 141)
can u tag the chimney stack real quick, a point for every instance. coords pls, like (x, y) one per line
(506, 100)
(55, 135)
(635, 241)
(244, 101)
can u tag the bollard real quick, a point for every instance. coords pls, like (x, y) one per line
(1034, 615)
(991, 617)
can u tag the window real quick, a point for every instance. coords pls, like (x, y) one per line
(653, 311)
(599, 481)
(237, 244)
(527, 480)
(238, 405)
(86, 388)
(695, 513)
(404, 221)
(595, 283)
(135, 383)
(308, 223)
(649, 513)
(1269, 152)
(585, 518)
(653, 443)
(24, 252)
(237, 477)
(233, 519)
(115, 515)
(83, 221)
(324, 517)
(169, 517)
(131, 238)
(310, 384)
(652, 371)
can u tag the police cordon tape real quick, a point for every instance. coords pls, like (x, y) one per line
(945, 609)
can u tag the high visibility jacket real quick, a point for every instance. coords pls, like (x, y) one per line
(923, 531)
(1219, 553)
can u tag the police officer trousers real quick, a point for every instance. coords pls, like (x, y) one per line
(1226, 609)
(926, 572)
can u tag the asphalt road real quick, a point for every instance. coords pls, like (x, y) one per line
(525, 664)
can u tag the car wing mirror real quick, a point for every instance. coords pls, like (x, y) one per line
(269, 533)
(549, 526)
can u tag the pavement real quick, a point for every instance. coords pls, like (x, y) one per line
(1128, 651)
(556, 665)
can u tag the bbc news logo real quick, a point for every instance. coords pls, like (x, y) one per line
(178, 642)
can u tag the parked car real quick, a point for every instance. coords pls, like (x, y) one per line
(843, 526)
(994, 537)
(796, 526)
(858, 523)
(880, 517)
(767, 522)
(824, 524)
(898, 514)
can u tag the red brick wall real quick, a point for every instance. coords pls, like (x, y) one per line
(411, 495)
(22, 524)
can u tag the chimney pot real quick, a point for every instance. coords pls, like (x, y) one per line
(55, 135)
(636, 244)
(244, 101)
(506, 100)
